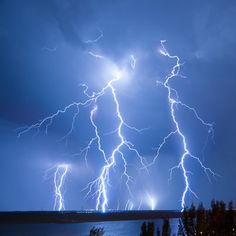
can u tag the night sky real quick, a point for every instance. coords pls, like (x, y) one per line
(44, 57)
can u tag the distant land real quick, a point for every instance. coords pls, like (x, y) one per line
(42, 217)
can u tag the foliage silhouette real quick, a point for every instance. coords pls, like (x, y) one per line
(166, 231)
(147, 229)
(217, 221)
(96, 232)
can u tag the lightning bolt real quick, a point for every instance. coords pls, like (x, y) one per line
(174, 102)
(129, 205)
(97, 56)
(103, 180)
(90, 41)
(151, 201)
(59, 179)
(99, 186)
(94, 41)
(132, 61)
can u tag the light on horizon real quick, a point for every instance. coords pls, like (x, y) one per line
(151, 200)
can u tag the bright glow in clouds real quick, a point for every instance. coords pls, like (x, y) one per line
(117, 74)
(100, 186)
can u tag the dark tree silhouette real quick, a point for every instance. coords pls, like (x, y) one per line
(147, 229)
(143, 229)
(166, 228)
(230, 225)
(150, 230)
(185, 220)
(189, 220)
(217, 221)
(96, 232)
(158, 231)
(201, 226)
(180, 229)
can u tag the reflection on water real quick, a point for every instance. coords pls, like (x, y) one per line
(115, 228)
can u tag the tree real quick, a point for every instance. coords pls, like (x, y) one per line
(230, 226)
(158, 231)
(150, 230)
(185, 220)
(189, 221)
(143, 229)
(201, 226)
(217, 221)
(96, 232)
(217, 217)
(166, 231)
(147, 229)
(180, 229)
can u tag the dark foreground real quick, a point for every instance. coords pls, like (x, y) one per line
(219, 220)
(42, 217)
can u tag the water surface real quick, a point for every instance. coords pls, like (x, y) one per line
(111, 228)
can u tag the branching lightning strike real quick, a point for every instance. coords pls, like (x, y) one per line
(98, 187)
(102, 181)
(174, 102)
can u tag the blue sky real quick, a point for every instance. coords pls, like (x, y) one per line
(45, 57)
